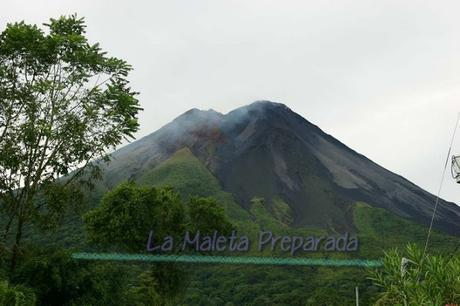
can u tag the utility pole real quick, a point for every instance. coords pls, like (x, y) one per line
(357, 296)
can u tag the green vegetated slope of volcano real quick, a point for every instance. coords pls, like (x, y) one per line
(377, 228)
(193, 166)
(271, 169)
(265, 152)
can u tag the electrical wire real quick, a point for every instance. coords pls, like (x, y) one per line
(440, 186)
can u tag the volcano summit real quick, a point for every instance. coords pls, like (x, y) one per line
(305, 177)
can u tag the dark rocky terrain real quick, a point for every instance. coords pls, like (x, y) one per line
(266, 150)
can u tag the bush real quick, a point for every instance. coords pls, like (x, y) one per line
(15, 295)
(415, 279)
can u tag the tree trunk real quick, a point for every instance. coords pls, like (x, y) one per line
(16, 250)
(3, 242)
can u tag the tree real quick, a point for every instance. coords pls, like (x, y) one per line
(122, 222)
(415, 279)
(57, 279)
(207, 216)
(128, 213)
(63, 104)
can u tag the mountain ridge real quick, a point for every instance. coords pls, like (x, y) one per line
(267, 150)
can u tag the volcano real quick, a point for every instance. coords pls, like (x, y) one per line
(267, 151)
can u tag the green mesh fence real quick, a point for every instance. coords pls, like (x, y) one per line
(239, 260)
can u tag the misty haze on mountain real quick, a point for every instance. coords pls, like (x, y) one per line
(381, 76)
(266, 150)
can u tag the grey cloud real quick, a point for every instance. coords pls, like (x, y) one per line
(381, 76)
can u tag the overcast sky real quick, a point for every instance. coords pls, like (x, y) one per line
(381, 76)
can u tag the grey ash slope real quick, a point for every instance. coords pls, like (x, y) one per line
(266, 150)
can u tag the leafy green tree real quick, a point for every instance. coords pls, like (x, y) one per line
(207, 216)
(57, 279)
(145, 293)
(414, 279)
(63, 104)
(161, 284)
(122, 222)
(129, 212)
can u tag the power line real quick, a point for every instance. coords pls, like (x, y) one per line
(440, 186)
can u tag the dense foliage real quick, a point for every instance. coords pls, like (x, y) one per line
(417, 279)
(63, 104)
(129, 212)
(15, 295)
